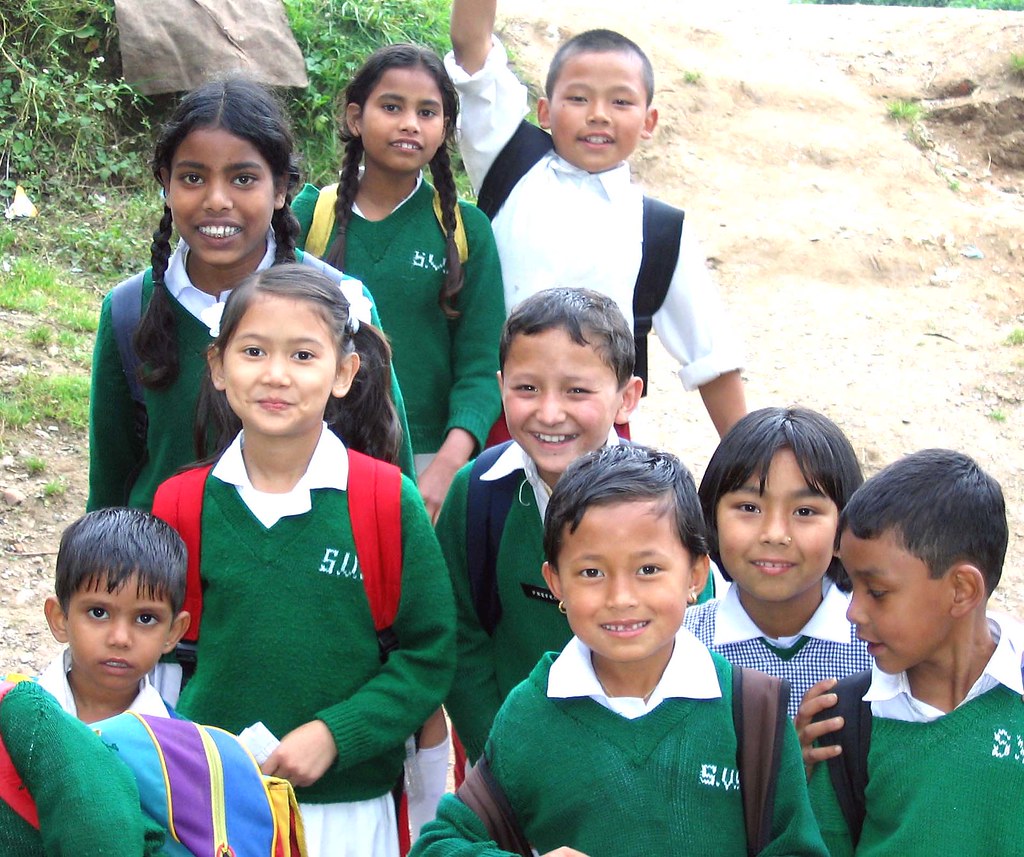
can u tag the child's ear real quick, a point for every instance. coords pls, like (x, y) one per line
(346, 374)
(215, 360)
(544, 113)
(178, 628)
(56, 618)
(650, 121)
(353, 119)
(968, 588)
(699, 572)
(551, 579)
(280, 193)
(630, 399)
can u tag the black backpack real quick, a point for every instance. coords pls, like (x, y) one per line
(662, 230)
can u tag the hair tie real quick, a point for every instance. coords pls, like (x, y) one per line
(359, 306)
(211, 317)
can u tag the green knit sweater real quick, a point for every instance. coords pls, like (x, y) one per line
(665, 784)
(488, 667)
(446, 366)
(87, 799)
(952, 786)
(287, 636)
(125, 470)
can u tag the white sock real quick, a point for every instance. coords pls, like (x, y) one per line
(431, 776)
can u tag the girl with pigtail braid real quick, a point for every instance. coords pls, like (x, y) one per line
(226, 167)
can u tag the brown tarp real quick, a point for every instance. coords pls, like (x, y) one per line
(175, 45)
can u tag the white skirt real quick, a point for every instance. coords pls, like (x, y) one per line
(364, 828)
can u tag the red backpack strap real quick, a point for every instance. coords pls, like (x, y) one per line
(12, 789)
(179, 502)
(375, 507)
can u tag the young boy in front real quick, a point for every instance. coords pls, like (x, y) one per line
(923, 542)
(574, 218)
(120, 586)
(624, 744)
(566, 378)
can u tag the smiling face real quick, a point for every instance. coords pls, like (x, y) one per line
(777, 545)
(402, 123)
(116, 638)
(624, 577)
(222, 195)
(561, 399)
(598, 109)
(279, 368)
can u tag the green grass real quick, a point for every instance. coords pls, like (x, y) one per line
(1016, 337)
(55, 488)
(1017, 64)
(997, 416)
(39, 397)
(905, 111)
(34, 465)
(692, 77)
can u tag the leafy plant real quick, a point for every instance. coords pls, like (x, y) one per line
(904, 111)
(55, 488)
(34, 465)
(1016, 337)
(692, 77)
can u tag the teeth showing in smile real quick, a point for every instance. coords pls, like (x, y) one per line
(410, 146)
(219, 231)
(632, 626)
(597, 139)
(554, 438)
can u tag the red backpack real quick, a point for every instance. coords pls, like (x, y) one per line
(12, 789)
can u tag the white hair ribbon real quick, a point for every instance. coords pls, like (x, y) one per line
(359, 306)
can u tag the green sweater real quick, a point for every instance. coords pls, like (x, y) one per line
(664, 784)
(125, 470)
(287, 636)
(488, 667)
(446, 367)
(87, 799)
(952, 786)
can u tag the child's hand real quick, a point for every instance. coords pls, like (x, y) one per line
(304, 754)
(815, 700)
(437, 477)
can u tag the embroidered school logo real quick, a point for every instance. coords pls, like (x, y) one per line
(346, 566)
(427, 261)
(1006, 745)
(725, 778)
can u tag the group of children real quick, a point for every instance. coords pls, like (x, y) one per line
(242, 351)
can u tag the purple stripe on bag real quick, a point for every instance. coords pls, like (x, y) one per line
(189, 777)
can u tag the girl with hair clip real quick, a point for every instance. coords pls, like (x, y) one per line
(226, 168)
(293, 368)
(771, 497)
(442, 309)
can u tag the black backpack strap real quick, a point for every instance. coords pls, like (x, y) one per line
(663, 230)
(482, 793)
(849, 770)
(759, 704)
(125, 313)
(487, 506)
(525, 147)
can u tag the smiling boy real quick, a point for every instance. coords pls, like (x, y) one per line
(120, 586)
(573, 218)
(923, 542)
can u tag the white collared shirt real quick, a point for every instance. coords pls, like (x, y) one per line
(328, 468)
(54, 680)
(689, 674)
(195, 300)
(412, 193)
(891, 697)
(734, 625)
(515, 458)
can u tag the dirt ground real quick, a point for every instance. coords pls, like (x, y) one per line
(874, 268)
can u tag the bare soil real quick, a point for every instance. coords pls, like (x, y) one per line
(873, 267)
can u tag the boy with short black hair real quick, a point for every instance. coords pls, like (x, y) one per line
(923, 542)
(120, 587)
(626, 742)
(566, 378)
(563, 207)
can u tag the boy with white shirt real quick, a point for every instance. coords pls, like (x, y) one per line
(923, 542)
(120, 587)
(574, 218)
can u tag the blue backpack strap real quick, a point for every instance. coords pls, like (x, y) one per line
(662, 232)
(525, 147)
(487, 506)
(849, 770)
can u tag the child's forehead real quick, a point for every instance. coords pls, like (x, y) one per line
(126, 587)
(553, 348)
(615, 66)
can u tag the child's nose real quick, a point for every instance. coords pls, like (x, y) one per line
(275, 370)
(119, 634)
(551, 409)
(598, 111)
(217, 196)
(854, 613)
(775, 530)
(621, 592)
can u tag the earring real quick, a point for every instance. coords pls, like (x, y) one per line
(561, 607)
(692, 597)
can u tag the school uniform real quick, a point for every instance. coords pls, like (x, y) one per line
(950, 783)
(621, 776)
(826, 647)
(563, 226)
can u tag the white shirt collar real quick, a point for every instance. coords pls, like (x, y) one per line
(734, 625)
(890, 695)
(328, 468)
(416, 187)
(614, 182)
(690, 674)
(195, 300)
(54, 680)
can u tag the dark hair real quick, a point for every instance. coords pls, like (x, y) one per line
(247, 110)
(115, 546)
(588, 317)
(940, 506)
(624, 474)
(365, 418)
(825, 457)
(357, 92)
(598, 42)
